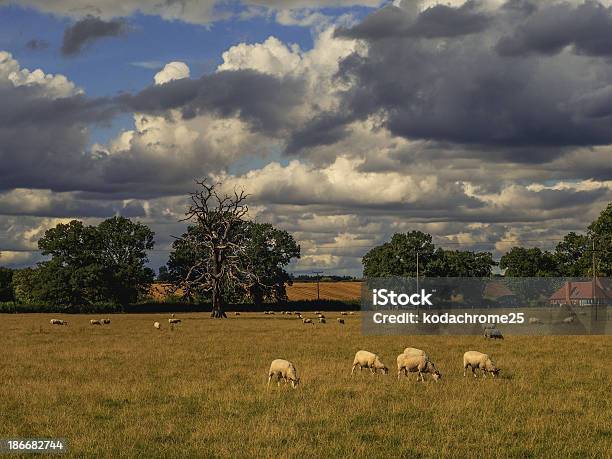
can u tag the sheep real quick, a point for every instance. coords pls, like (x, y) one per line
(351, 313)
(320, 316)
(340, 321)
(95, 322)
(172, 315)
(174, 321)
(411, 363)
(493, 333)
(307, 321)
(568, 320)
(266, 312)
(535, 321)
(157, 325)
(106, 321)
(285, 370)
(236, 313)
(317, 312)
(321, 320)
(475, 359)
(58, 322)
(344, 313)
(365, 359)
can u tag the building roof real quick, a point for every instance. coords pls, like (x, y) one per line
(495, 290)
(584, 290)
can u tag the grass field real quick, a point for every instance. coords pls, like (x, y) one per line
(128, 390)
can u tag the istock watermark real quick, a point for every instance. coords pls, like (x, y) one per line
(493, 307)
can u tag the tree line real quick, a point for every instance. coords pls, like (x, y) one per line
(225, 257)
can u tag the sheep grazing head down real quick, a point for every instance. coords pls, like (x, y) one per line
(295, 382)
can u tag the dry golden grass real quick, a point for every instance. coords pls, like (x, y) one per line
(328, 291)
(128, 390)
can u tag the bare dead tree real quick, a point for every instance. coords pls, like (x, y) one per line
(220, 243)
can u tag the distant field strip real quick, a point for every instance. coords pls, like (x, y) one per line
(328, 291)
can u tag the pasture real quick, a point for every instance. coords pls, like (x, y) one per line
(128, 390)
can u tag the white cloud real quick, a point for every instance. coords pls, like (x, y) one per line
(172, 71)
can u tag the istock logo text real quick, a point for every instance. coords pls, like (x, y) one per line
(384, 297)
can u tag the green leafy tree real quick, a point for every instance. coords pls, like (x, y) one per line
(600, 232)
(90, 264)
(572, 255)
(459, 263)
(533, 262)
(398, 257)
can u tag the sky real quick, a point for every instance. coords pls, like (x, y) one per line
(487, 124)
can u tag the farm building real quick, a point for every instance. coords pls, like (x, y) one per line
(582, 294)
(499, 293)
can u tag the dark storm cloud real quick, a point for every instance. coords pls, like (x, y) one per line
(89, 29)
(37, 45)
(463, 93)
(435, 22)
(260, 99)
(325, 129)
(551, 28)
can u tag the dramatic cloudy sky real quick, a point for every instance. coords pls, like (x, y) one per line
(485, 123)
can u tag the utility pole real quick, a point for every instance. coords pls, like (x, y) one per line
(594, 280)
(318, 273)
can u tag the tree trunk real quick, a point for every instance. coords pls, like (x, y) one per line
(217, 303)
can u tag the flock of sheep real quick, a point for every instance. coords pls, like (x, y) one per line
(412, 360)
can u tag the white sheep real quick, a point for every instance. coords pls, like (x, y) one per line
(340, 321)
(95, 322)
(413, 363)
(535, 321)
(174, 321)
(321, 320)
(157, 325)
(344, 313)
(317, 312)
(307, 321)
(475, 359)
(285, 370)
(365, 359)
(236, 313)
(106, 321)
(351, 313)
(320, 316)
(58, 322)
(266, 312)
(493, 333)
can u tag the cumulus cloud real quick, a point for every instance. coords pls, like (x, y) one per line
(172, 71)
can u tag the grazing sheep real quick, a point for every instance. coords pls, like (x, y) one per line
(351, 313)
(317, 312)
(271, 313)
(535, 321)
(157, 325)
(340, 321)
(321, 320)
(174, 321)
(58, 322)
(320, 316)
(475, 359)
(236, 313)
(568, 320)
(493, 333)
(285, 370)
(266, 312)
(365, 359)
(307, 321)
(344, 313)
(106, 321)
(412, 363)
(95, 322)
